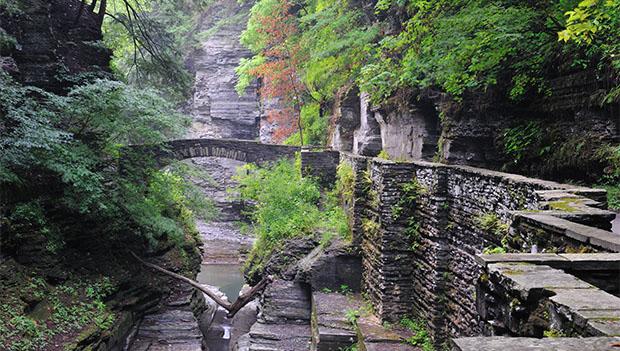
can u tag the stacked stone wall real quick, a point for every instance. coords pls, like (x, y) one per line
(431, 273)
(320, 165)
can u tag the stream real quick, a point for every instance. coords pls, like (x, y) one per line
(174, 326)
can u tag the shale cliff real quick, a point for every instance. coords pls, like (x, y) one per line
(216, 108)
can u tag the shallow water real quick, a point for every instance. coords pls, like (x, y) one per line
(227, 277)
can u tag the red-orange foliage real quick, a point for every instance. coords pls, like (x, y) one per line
(279, 73)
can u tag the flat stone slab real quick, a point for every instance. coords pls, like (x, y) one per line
(583, 233)
(577, 262)
(586, 299)
(390, 347)
(330, 326)
(526, 277)
(499, 343)
(373, 332)
(542, 258)
(591, 308)
(376, 337)
(279, 337)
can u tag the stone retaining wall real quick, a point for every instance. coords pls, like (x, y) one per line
(419, 256)
(320, 165)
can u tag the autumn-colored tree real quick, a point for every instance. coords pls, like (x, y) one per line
(273, 34)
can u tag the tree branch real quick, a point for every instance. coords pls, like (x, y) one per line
(231, 308)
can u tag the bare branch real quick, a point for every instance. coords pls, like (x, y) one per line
(231, 308)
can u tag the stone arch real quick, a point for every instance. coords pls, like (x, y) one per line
(241, 150)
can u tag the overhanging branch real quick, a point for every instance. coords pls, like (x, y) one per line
(233, 308)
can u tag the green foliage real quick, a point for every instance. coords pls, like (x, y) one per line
(335, 42)
(68, 309)
(421, 337)
(554, 333)
(314, 126)
(461, 46)
(494, 250)
(150, 46)
(345, 183)
(286, 206)
(383, 155)
(517, 141)
(594, 24)
(352, 316)
(456, 47)
(245, 77)
(490, 222)
(71, 144)
(324, 47)
(345, 289)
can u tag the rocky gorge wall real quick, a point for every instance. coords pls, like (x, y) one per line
(570, 125)
(55, 47)
(216, 108)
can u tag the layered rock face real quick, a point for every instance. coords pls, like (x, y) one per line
(57, 43)
(217, 110)
(569, 127)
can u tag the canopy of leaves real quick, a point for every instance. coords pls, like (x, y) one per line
(58, 154)
(151, 40)
(456, 47)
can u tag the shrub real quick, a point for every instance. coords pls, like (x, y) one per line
(286, 205)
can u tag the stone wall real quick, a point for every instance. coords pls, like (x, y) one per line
(320, 165)
(419, 246)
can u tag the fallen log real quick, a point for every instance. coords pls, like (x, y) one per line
(233, 308)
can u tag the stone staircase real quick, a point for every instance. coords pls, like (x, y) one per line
(294, 318)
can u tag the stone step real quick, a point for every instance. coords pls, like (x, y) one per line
(279, 337)
(373, 336)
(498, 343)
(286, 302)
(331, 331)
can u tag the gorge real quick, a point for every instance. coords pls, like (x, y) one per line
(392, 199)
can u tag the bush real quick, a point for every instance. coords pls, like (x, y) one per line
(62, 151)
(285, 206)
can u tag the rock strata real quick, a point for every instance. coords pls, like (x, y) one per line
(217, 110)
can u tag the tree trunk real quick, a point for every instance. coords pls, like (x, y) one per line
(231, 308)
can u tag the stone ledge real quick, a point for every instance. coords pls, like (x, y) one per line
(570, 298)
(330, 328)
(577, 262)
(526, 344)
(588, 235)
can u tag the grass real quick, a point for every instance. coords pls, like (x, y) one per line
(421, 336)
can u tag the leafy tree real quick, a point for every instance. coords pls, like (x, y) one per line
(58, 155)
(594, 24)
(272, 36)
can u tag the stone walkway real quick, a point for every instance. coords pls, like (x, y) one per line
(172, 328)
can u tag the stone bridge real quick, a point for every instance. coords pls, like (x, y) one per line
(240, 150)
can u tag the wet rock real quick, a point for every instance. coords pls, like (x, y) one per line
(244, 319)
(279, 337)
(285, 302)
(331, 329)
(283, 263)
(332, 268)
(217, 110)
